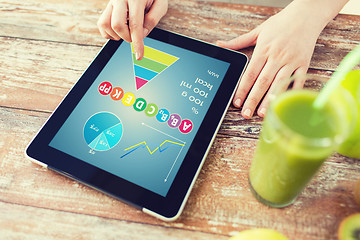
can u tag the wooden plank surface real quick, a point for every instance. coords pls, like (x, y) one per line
(47, 44)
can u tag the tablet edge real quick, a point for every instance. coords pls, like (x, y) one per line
(52, 113)
(182, 206)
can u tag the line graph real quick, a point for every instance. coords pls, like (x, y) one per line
(155, 149)
(144, 144)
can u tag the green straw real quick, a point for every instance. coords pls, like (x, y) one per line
(345, 66)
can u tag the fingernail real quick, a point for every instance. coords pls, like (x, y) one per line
(247, 113)
(262, 112)
(137, 55)
(146, 31)
(237, 103)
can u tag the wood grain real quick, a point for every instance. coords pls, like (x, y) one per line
(220, 202)
(14, 224)
(47, 44)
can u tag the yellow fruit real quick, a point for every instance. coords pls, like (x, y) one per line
(349, 228)
(259, 234)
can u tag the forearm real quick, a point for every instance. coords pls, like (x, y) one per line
(316, 13)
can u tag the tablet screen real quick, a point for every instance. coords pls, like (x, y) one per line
(139, 118)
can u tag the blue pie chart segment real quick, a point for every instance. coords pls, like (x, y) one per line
(102, 131)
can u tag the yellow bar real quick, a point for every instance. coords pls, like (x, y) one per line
(157, 55)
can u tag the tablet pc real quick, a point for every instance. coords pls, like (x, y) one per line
(140, 130)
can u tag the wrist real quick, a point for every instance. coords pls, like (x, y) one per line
(317, 13)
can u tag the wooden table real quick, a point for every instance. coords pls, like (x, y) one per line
(45, 45)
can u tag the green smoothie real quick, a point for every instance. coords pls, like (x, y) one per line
(294, 142)
(351, 147)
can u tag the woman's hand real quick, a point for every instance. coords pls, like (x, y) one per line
(131, 20)
(284, 47)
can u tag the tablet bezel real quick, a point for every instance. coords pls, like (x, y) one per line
(166, 208)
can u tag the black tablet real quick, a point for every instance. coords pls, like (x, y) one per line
(140, 130)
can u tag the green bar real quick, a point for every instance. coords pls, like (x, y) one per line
(149, 64)
(157, 55)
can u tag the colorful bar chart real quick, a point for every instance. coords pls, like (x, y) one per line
(151, 65)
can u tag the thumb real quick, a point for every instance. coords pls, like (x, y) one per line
(243, 41)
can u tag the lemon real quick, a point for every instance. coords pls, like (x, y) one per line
(259, 234)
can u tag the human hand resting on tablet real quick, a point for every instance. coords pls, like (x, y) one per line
(284, 47)
(131, 20)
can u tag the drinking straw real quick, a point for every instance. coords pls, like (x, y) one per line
(345, 66)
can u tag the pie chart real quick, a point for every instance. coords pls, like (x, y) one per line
(102, 131)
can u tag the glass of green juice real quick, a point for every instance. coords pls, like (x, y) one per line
(351, 146)
(296, 139)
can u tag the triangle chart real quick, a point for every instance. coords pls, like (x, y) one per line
(140, 82)
(151, 65)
